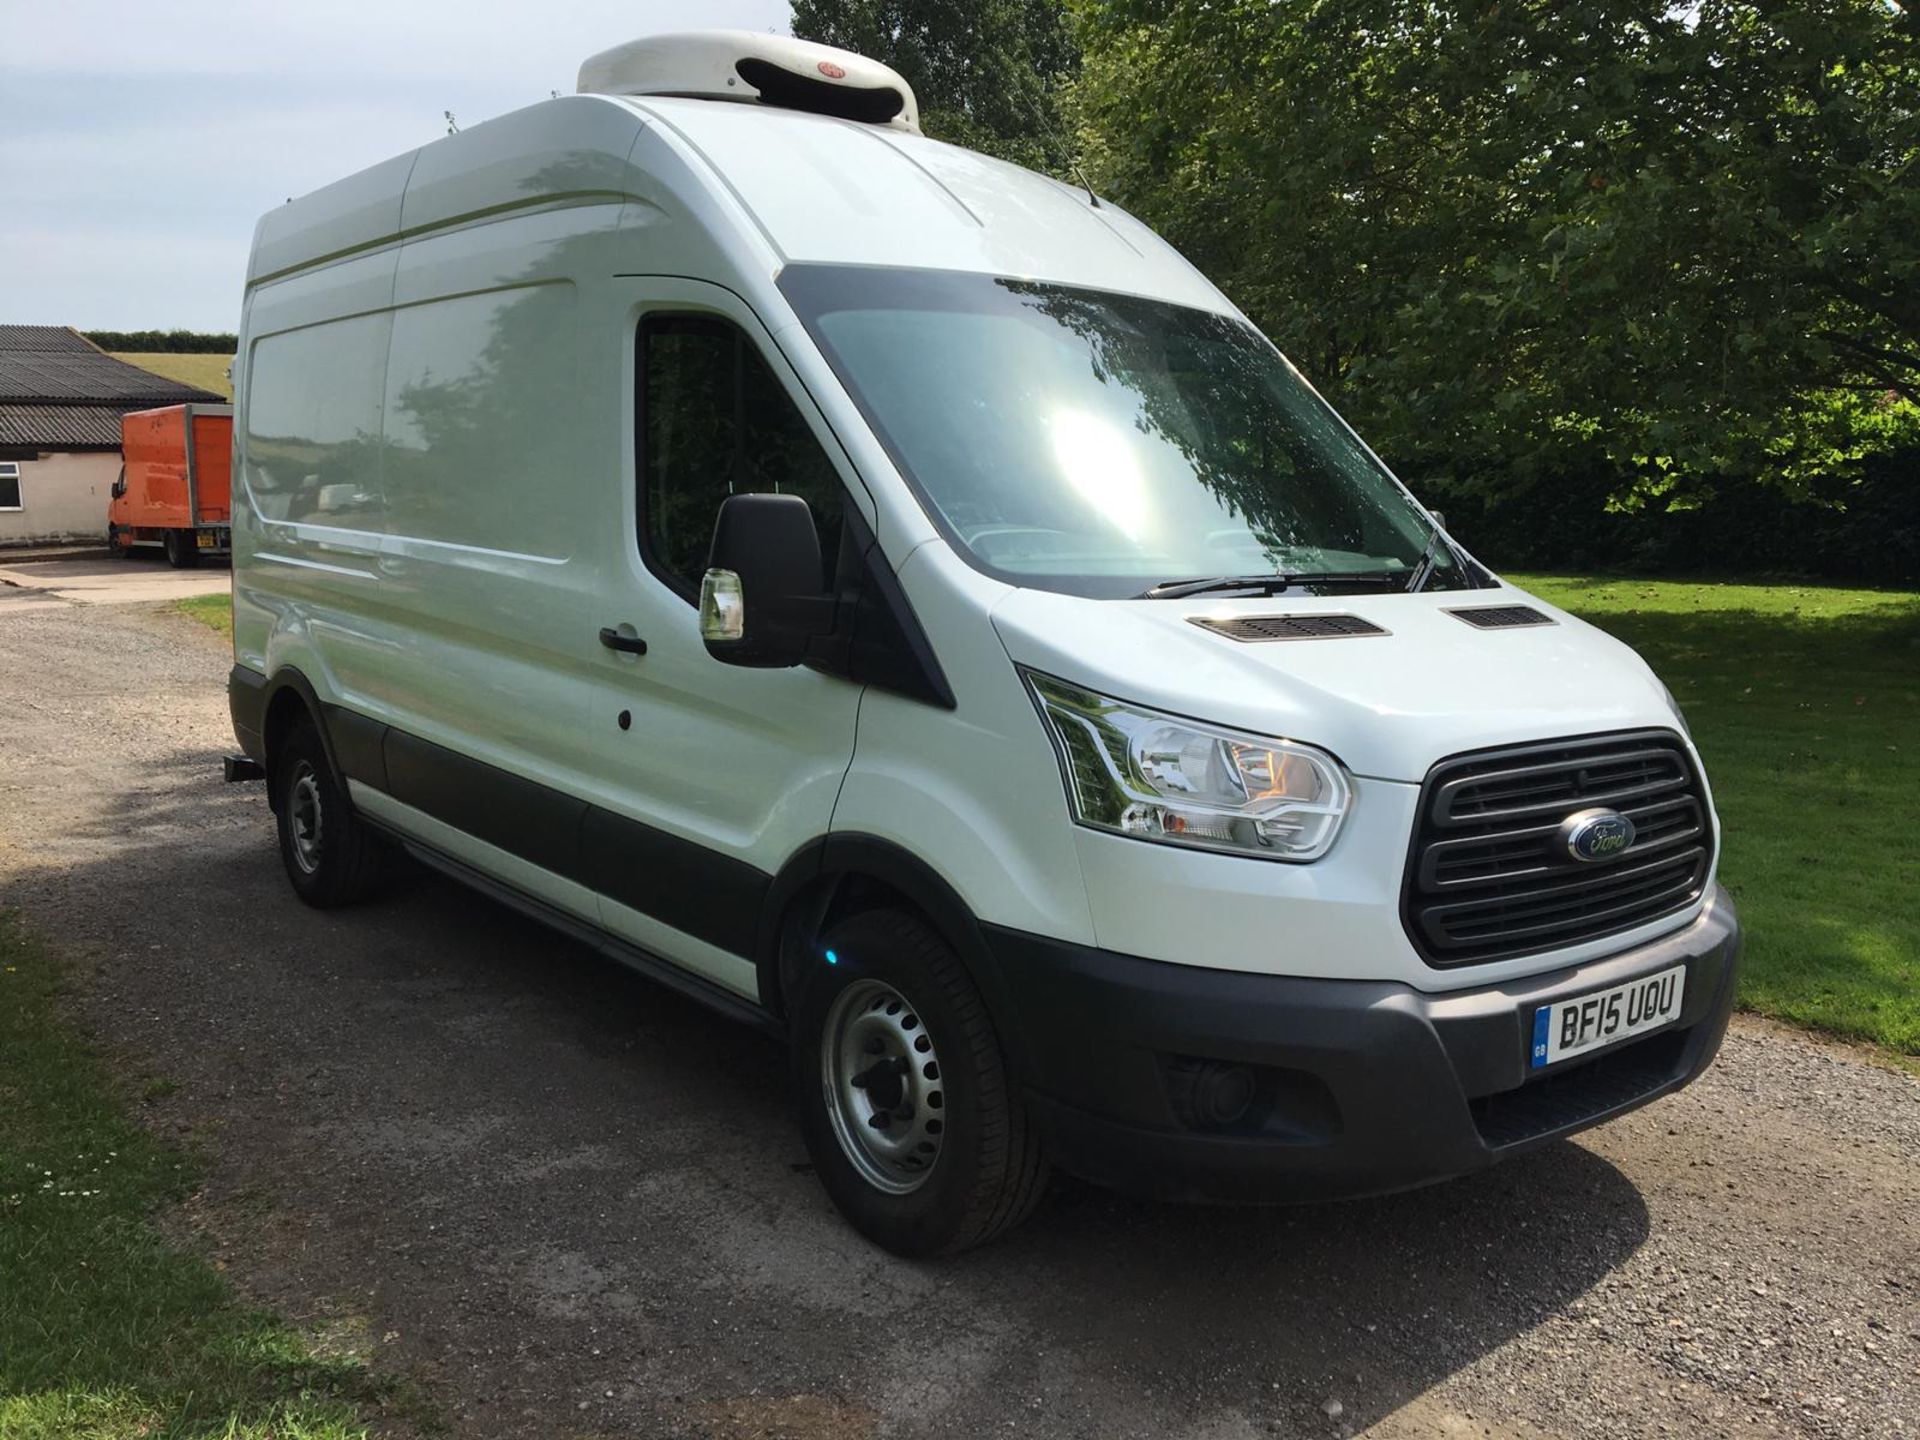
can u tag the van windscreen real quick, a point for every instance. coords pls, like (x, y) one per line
(1102, 444)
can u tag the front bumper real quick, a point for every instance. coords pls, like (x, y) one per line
(1360, 1087)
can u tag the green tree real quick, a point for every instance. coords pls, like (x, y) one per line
(987, 73)
(1521, 236)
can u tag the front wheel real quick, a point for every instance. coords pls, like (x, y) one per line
(330, 856)
(911, 1119)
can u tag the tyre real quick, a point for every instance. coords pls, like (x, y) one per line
(331, 857)
(182, 549)
(910, 1117)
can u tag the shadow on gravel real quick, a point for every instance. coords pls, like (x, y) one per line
(491, 1133)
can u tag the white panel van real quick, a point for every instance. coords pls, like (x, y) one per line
(894, 598)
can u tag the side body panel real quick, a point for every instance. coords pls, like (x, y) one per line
(975, 791)
(307, 532)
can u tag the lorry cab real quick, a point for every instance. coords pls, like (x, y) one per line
(893, 597)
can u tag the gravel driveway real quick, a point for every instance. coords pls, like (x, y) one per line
(572, 1204)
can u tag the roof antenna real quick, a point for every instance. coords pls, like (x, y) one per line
(1081, 176)
(453, 126)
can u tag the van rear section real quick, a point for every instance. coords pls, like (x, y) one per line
(174, 490)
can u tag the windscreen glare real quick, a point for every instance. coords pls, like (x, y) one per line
(1101, 444)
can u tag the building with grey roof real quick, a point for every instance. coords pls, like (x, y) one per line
(61, 399)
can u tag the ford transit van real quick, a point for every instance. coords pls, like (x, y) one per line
(892, 597)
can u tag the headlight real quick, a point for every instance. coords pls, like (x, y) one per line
(1158, 777)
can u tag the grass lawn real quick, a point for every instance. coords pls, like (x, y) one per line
(1805, 703)
(107, 1330)
(209, 372)
(213, 611)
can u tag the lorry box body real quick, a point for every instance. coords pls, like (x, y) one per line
(895, 598)
(174, 489)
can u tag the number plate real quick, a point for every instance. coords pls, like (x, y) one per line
(1573, 1027)
(207, 542)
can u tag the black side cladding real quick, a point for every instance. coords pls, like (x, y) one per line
(874, 105)
(710, 896)
(247, 705)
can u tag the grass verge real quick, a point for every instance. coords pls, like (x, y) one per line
(213, 611)
(106, 1330)
(1802, 701)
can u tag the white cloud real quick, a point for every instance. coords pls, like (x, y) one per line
(140, 141)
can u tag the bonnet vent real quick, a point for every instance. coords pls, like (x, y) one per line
(742, 65)
(1501, 617)
(1252, 629)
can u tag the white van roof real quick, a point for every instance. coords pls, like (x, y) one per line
(808, 188)
(827, 191)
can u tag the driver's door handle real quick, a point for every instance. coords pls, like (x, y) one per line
(625, 644)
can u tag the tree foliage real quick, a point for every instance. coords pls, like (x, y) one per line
(164, 342)
(1522, 236)
(987, 73)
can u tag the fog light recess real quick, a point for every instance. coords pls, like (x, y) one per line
(1210, 1094)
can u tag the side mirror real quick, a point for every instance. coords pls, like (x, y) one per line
(762, 603)
(120, 483)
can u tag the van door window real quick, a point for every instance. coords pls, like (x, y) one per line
(715, 421)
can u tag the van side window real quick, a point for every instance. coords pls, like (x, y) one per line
(715, 422)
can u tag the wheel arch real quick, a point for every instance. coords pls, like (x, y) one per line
(843, 874)
(289, 696)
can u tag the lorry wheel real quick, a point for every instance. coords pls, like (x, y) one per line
(182, 552)
(331, 857)
(913, 1124)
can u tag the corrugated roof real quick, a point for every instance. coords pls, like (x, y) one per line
(43, 337)
(59, 388)
(48, 364)
(61, 426)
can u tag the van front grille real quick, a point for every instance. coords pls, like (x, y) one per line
(1489, 877)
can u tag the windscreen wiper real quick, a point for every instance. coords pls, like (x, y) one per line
(1428, 562)
(1266, 584)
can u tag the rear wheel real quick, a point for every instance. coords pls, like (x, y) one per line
(330, 856)
(909, 1114)
(182, 549)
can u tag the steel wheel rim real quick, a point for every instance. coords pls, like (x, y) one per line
(304, 818)
(877, 1062)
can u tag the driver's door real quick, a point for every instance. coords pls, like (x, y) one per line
(713, 776)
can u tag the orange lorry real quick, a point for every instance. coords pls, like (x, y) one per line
(173, 487)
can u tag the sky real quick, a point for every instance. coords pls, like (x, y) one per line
(140, 140)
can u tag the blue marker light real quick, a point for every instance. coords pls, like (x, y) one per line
(832, 959)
